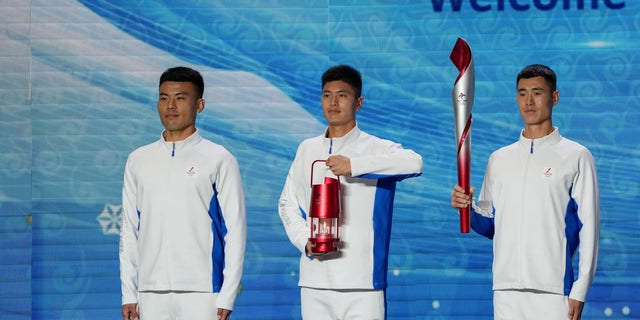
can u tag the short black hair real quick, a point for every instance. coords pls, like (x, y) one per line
(345, 73)
(184, 74)
(538, 70)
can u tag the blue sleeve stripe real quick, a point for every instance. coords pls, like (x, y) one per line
(572, 232)
(396, 177)
(382, 218)
(219, 230)
(483, 225)
(303, 213)
(138, 211)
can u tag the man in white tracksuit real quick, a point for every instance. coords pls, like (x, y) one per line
(539, 202)
(351, 282)
(183, 229)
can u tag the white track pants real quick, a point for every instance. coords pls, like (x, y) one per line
(177, 305)
(528, 304)
(319, 304)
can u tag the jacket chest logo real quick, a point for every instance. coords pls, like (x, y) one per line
(191, 171)
(547, 172)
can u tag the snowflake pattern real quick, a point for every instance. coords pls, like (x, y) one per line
(110, 218)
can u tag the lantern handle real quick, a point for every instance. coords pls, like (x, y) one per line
(312, 165)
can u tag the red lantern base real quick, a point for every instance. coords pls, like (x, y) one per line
(324, 246)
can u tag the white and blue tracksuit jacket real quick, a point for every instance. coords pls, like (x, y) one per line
(183, 220)
(540, 202)
(367, 206)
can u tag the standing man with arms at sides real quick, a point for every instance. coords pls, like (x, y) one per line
(351, 282)
(539, 202)
(183, 219)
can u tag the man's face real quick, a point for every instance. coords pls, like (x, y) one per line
(178, 106)
(535, 100)
(339, 103)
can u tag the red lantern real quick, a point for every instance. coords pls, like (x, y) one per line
(324, 213)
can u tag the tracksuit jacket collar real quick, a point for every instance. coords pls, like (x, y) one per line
(535, 144)
(174, 147)
(334, 145)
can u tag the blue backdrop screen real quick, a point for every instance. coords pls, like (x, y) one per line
(78, 81)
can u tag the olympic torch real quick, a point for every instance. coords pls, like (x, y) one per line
(462, 97)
